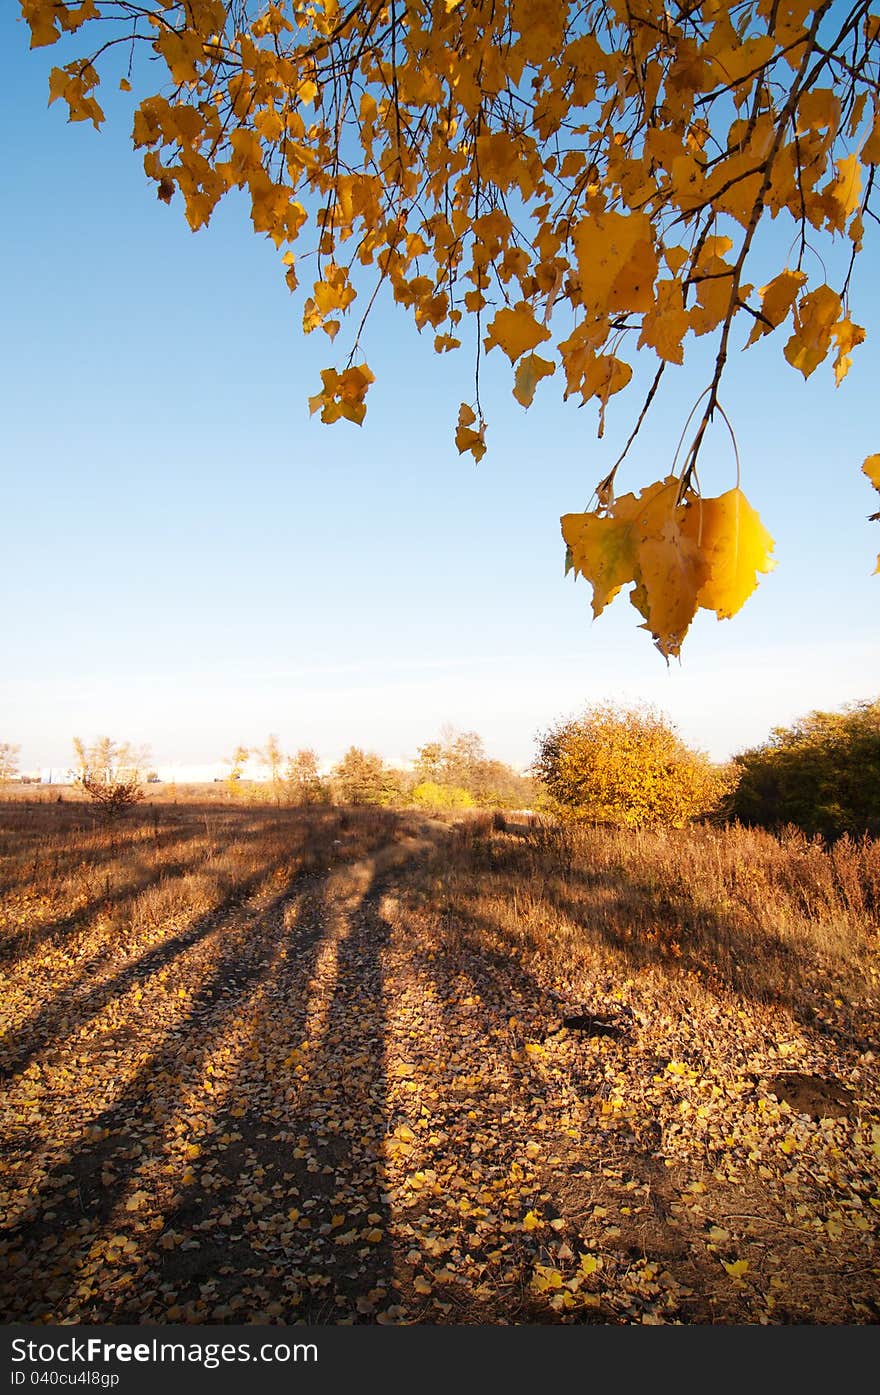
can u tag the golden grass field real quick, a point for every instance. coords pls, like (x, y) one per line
(349, 1065)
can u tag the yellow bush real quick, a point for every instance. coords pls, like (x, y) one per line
(430, 795)
(626, 767)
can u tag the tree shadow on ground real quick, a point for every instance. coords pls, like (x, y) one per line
(240, 1172)
(82, 1001)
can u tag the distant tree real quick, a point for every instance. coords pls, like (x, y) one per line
(821, 774)
(430, 763)
(237, 762)
(626, 767)
(458, 762)
(362, 778)
(465, 761)
(8, 761)
(302, 778)
(272, 754)
(111, 772)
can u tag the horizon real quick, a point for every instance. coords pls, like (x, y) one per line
(401, 759)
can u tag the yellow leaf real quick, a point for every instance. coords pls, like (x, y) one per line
(602, 550)
(617, 262)
(532, 1221)
(516, 331)
(41, 22)
(843, 196)
(529, 372)
(737, 1268)
(465, 436)
(818, 109)
(847, 337)
(665, 325)
(871, 468)
(735, 546)
(421, 1285)
(546, 1279)
(777, 298)
(672, 570)
(815, 317)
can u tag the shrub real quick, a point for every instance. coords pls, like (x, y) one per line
(430, 795)
(110, 773)
(625, 767)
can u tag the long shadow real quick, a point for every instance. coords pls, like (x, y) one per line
(87, 1187)
(49, 1024)
(310, 1241)
(284, 1214)
(28, 941)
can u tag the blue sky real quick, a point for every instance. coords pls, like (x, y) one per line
(190, 561)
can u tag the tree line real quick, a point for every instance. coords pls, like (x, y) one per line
(452, 772)
(624, 767)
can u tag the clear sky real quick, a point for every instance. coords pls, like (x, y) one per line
(190, 561)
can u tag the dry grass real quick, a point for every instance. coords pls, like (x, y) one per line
(781, 920)
(434, 1072)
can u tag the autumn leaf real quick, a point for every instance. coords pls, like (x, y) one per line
(466, 438)
(734, 545)
(529, 372)
(847, 337)
(815, 316)
(617, 262)
(665, 325)
(546, 1279)
(602, 549)
(777, 298)
(516, 331)
(871, 468)
(672, 571)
